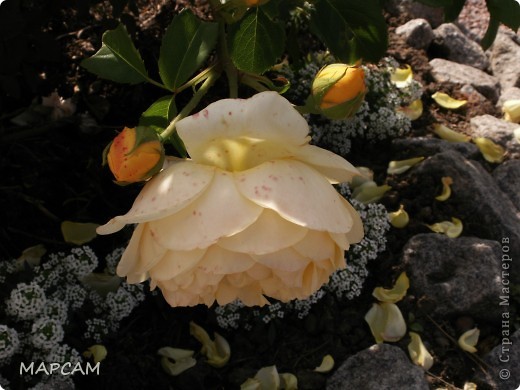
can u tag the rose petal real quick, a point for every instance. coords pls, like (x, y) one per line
(269, 233)
(396, 293)
(176, 262)
(236, 118)
(468, 340)
(220, 261)
(334, 167)
(285, 260)
(316, 246)
(204, 221)
(313, 203)
(418, 352)
(166, 193)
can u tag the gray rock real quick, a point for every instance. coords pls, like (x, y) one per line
(424, 146)
(505, 60)
(502, 364)
(498, 130)
(484, 210)
(448, 71)
(510, 93)
(381, 366)
(455, 276)
(417, 33)
(434, 15)
(469, 90)
(457, 47)
(507, 175)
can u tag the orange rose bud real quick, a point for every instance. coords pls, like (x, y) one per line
(135, 155)
(338, 90)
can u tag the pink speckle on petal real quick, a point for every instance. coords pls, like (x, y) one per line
(205, 113)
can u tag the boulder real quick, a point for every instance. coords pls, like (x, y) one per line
(425, 146)
(502, 363)
(381, 366)
(507, 176)
(505, 59)
(452, 44)
(455, 276)
(510, 93)
(498, 130)
(417, 33)
(448, 71)
(476, 199)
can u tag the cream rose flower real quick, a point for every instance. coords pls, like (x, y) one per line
(251, 214)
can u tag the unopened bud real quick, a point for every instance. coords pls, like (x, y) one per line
(338, 90)
(136, 154)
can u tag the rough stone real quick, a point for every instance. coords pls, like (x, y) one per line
(424, 146)
(507, 175)
(476, 199)
(510, 93)
(470, 91)
(448, 71)
(458, 276)
(417, 33)
(434, 15)
(451, 43)
(498, 130)
(505, 57)
(502, 365)
(381, 366)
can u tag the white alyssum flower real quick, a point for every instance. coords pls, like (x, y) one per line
(46, 333)
(9, 343)
(26, 301)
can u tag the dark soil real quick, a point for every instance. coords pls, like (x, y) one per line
(53, 172)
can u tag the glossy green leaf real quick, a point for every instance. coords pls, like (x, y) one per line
(505, 11)
(351, 29)
(256, 42)
(186, 44)
(118, 59)
(159, 114)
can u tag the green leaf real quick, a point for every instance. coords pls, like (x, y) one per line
(452, 11)
(505, 11)
(159, 114)
(256, 42)
(118, 59)
(351, 29)
(186, 44)
(77, 232)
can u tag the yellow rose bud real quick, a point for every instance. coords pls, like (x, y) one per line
(136, 154)
(338, 90)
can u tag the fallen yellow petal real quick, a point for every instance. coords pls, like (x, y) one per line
(182, 360)
(412, 111)
(399, 219)
(446, 189)
(397, 167)
(288, 381)
(396, 293)
(98, 352)
(268, 378)
(450, 135)
(386, 322)
(491, 151)
(511, 109)
(77, 232)
(217, 352)
(469, 339)
(446, 101)
(327, 364)
(470, 386)
(369, 192)
(418, 352)
(452, 229)
(402, 77)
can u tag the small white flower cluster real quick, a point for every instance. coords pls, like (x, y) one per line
(112, 259)
(347, 283)
(344, 284)
(9, 342)
(46, 333)
(55, 382)
(26, 301)
(97, 329)
(40, 309)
